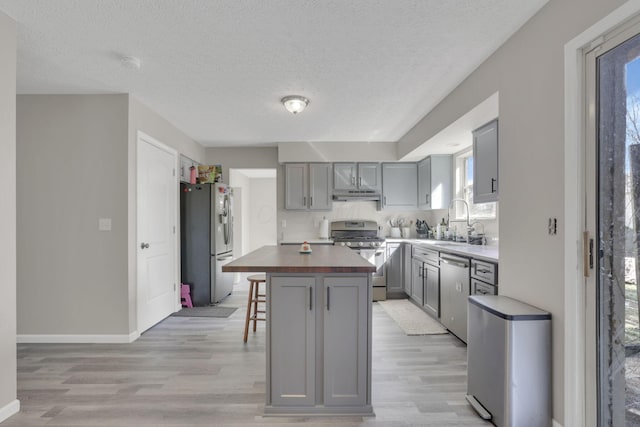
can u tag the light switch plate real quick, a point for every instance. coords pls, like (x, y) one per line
(104, 224)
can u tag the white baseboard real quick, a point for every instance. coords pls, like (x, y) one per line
(77, 339)
(9, 409)
(556, 424)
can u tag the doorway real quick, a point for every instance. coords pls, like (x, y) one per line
(255, 204)
(613, 217)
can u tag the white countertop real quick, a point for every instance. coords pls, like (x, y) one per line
(487, 253)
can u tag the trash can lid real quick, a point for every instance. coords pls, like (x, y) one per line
(508, 308)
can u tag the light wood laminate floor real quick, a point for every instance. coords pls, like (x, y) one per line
(197, 371)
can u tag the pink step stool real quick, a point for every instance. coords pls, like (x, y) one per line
(185, 295)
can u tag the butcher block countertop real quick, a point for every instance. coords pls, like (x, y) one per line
(288, 259)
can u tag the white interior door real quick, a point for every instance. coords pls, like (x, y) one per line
(157, 294)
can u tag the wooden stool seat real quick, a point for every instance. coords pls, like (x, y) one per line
(254, 298)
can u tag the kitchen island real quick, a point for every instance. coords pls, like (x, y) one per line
(318, 340)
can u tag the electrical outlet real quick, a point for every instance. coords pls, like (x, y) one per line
(104, 224)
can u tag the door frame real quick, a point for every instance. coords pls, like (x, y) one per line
(142, 137)
(574, 207)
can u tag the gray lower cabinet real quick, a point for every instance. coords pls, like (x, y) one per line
(431, 279)
(293, 341)
(399, 186)
(345, 342)
(395, 266)
(417, 283)
(407, 276)
(300, 308)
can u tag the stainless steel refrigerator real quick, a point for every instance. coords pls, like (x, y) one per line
(206, 234)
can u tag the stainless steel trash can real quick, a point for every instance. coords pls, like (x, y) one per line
(509, 361)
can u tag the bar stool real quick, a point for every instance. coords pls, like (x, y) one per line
(255, 297)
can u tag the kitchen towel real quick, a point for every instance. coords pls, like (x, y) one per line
(411, 319)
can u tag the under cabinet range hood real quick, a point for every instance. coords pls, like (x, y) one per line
(355, 196)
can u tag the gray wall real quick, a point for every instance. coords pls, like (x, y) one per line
(528, 72)
(72, 170)
(77, 163)
(7, 212)
(243, 158)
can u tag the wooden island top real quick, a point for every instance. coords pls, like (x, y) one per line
(288, 259)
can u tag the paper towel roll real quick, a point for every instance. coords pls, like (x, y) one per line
(324, 228)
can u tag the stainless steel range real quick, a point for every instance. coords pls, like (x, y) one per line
(362, 236)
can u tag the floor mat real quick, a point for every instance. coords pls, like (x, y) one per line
(410, 318)
(211, 311)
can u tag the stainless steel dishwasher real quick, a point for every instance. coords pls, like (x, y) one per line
(455, 289)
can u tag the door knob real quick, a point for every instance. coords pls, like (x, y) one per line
(144, 246)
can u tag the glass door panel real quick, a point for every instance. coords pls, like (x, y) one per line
(617, 243)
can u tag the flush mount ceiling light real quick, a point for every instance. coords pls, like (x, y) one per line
(295, 103)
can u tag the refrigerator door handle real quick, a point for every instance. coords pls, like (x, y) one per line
(226, 222)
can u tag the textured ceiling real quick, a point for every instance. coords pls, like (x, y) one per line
(217, 69)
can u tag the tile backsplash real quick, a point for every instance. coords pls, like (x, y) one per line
(306, 225)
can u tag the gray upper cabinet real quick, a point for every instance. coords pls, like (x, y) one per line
(357, 176)
(345, 176)
(369, 177)
(399, 185)
(485, 163)
(308, 186)
(424, 183)
(320, 197)
(295, 186)
(434, 182)
(185, 166)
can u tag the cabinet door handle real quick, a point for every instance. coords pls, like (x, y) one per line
(310, 200)
(420, 272)
(360, 184)
(426, 197)
(304, 201)
(328, 298)
(353, 180)
(384, 200)
(493, 181)
(310, 299)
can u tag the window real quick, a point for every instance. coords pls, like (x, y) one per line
(464, 190)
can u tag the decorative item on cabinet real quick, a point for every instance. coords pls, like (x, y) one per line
(209, 174)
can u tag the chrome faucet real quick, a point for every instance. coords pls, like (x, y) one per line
(469, 227)
(484, 236)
